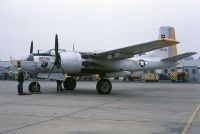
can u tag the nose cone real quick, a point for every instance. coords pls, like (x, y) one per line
(15, 62)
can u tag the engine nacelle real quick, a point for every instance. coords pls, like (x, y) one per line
(71, 62)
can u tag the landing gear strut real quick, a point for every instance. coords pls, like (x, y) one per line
(104, 86)
(34, 87)
(69, 83)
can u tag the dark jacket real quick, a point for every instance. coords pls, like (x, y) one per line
(20, 76)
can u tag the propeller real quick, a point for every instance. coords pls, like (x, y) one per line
(31, 47)
(30, 57)
(57, 62)
(57, 55)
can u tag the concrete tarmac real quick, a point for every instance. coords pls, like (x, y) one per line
(131, 108)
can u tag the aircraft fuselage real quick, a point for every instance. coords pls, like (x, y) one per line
(73, 63)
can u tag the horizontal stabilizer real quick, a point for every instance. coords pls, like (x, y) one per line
(178, 57)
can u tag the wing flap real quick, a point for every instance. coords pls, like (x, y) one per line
(130, 51)
(178, 57)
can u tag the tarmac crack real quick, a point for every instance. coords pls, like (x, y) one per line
(62, 116)
(128, 120)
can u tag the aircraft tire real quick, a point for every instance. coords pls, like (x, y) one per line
(69, 83)
(34, 87)
(104, 86)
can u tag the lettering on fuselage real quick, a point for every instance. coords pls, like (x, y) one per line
(43, 64)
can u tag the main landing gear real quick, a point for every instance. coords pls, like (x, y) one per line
(69, 83)
(104, 86)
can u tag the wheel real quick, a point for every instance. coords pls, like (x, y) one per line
(130, 78)
(116, 78)
(34, 87)
(124, 79)
(69, 83)
(104, 86)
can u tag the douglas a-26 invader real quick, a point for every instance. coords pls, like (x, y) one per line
(118, 62)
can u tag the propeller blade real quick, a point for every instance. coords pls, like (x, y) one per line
(31, 47)
(56, 45)
(57, 57)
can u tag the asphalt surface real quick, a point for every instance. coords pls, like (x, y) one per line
(131, 108)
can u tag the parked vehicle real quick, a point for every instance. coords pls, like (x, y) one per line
(133, 77)
(179, 76)
(152, 77)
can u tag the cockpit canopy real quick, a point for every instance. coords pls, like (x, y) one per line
(50, 52)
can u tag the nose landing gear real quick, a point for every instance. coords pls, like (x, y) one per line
(34, 87)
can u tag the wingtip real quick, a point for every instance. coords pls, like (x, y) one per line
(177, 42)
(193, 53)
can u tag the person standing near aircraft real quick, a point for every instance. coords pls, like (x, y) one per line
(59, 86)
(20, 79)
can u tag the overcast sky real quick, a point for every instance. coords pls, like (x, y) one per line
(94, 25)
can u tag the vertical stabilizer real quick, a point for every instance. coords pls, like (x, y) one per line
(166, 32)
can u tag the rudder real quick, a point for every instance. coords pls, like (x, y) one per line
(166, 32)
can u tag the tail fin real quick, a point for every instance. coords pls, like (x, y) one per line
(166, 32)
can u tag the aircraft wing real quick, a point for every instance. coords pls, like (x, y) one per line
(128, 52)
(178, 57)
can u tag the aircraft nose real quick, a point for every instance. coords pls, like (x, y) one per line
(15, 62)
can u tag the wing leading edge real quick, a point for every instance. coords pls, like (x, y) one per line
(130, 51)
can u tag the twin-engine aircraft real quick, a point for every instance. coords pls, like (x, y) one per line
(114, 63)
